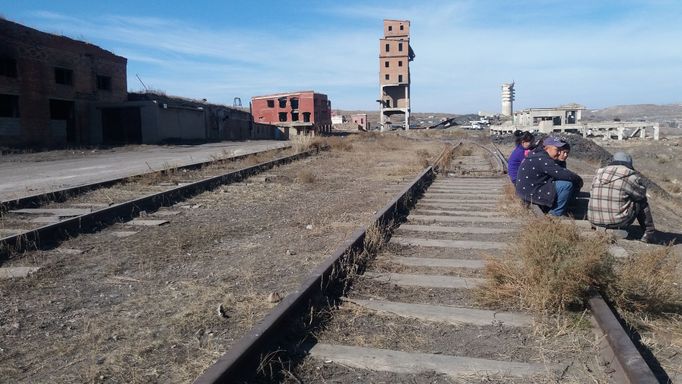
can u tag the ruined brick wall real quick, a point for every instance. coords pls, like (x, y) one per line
(293, 109)
(36, 56)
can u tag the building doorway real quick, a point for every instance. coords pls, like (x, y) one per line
(63, 121)
(121, 126)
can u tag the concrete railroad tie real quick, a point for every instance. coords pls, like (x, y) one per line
(425, 281)
(414, 362)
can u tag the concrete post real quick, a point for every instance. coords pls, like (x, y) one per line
(620, 133)
(656, 131)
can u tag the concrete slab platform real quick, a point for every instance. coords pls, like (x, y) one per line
(16, 272)
(463, 206)
(92, 206)
(147, 223)
(414, 362)
(438, 263)
(425, 281)
(446, 229)
(446, 314)
(457, 244)
(60, 212)
(463, 219)
(122, 234)
(45, 220)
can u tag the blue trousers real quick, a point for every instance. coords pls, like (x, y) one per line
(564, 194)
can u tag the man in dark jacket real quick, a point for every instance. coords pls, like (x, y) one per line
(542, 182)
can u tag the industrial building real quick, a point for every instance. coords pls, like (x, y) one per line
(49, 83)
(395, 55)
(562, 115)
(56, 91)
(295, 113)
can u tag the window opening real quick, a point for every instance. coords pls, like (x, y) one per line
(306, 117)
(294, 116)
(282, 116)
(387, 77)
(388, 47)
(390, 28)
(400, 63)
(63, 76)
(282, 103)
(386, 64)
(271, 103)
(294, 103)
(104, 83)
(400, 78)
(8, 67)
(9, 106)
(400, 47)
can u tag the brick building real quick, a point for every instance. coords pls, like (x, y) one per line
(395, 55)
(49, 85)
(360, 120)
(296, 113)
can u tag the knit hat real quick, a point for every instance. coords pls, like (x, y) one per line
(622, 156)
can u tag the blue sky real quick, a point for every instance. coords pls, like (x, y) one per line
(596, 53)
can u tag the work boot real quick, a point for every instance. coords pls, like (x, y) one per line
(649, 237)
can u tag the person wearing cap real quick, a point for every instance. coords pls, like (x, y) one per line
(618, 197)
(541, 181)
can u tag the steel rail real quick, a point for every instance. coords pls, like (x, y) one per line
(52, 234)
(243, 357)
(38, 199)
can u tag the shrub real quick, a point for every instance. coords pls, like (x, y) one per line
(549, 268)
(648, 282)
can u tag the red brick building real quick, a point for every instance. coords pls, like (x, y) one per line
(296, 113)
(360, 119)
(395, 55)
(49, 85)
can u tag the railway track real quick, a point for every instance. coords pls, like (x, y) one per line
(410, 315)
(43, 220)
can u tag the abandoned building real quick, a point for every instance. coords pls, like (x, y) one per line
(395, 55)
(360, 119)
(149, 118)
(563, 115)
(295, 113)
(48, 85)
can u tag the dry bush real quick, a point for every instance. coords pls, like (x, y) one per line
(549, 268)
(301, 143)
(423, 156)
(339, 144)
(306, 176)
(648, 282)
(511, 204)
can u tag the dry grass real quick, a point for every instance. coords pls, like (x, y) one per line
(510, 204)
(551, 268)
(306, 176)
(649, 282)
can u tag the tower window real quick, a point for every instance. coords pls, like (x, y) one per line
(388, 47)
(390, 28)
(386, 64)
(400, 78)
(400, 63)
(400, 47)
(402, 27)
(387, 76)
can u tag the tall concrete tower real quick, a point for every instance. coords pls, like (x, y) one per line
(507, 99)
(395, 55)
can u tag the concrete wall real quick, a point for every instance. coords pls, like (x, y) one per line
(36, 55)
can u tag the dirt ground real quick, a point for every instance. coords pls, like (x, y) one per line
(162, 304)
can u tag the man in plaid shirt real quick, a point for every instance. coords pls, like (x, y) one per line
(618, 197)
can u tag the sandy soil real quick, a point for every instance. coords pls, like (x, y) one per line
(145, 308)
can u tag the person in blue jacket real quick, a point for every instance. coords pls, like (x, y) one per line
(524, 140)
(542, 182)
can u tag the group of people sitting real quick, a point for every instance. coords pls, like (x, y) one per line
(617, 195)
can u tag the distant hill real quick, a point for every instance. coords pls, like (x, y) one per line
(646, 112)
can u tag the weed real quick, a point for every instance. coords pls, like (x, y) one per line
(550, 268)
(306, 176)
(648, 282)
(675, 188)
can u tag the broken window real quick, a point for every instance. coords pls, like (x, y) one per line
(63, 76)
(271, 103)
(400, 47)
(386, 64)
(400, 78)
(400, 63)
(9, 106)
(104, 83)
(8, 67)
(282, 103)
(294, 103)
(387, 76)
(390, 28)
(388, 47)
(282, 116)
(306, 117)
(294, 116)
